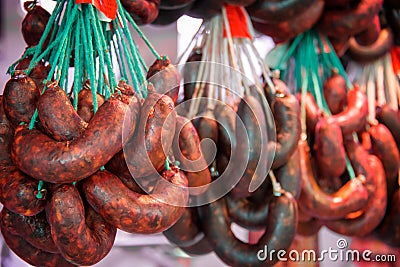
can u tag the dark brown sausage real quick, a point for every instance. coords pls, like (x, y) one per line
(200, 248)
(329, 149)
(19, 99)
(166, 78)
(375, 209)
(288, 128)
(133, 212)
(34, 23)
(34, 229)
(81, 234)
(205, 9)
(32, 255)
(252, 141)
(85, 102)
(335, 93)
(391, 119)
(186, 147)
(370, 34)
(384, 147)
(190, 73)
(145, 153)
(289, 175)
(225, 117)
(351, 197)
(282, 224)
(39, 73)
(277, 10)
(57, 115)
(142, 11)
(353, 117)
(65, 162)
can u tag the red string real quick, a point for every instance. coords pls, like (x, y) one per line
(237, 22)
(395, 53)
(108, 7)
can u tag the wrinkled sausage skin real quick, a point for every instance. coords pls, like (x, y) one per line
(64, 162)
(133, 212)
(81, 234)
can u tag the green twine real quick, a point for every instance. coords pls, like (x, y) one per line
(39, 194)
(28, 52)
(77, 63)
(292, 48)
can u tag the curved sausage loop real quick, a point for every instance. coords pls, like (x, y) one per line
(31, 254)
(45, 159)
(279, 234)
(81, 234)
(351, 197)
(391, 119)
(133, 212)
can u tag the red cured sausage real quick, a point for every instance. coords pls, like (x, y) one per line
(133, 212)
(57, 115)
(17, 190)
(277, 10)
(64, 162)
(34, 229)
(289, 175)
(288, 128)
(353, 117)
(335, 93)
(370, 34)
(329, 149)
(39, 73)
(350, 21)
(145, 154)
(186, 147)
(313, 113)
(384, 147)
(391, 119)
(282, 224)
(190, 73)
(19, 99)
(142, 11)
(30, 254)
(351, 197)
(375, 209)
(34, 23)
(167, 79)
(85, 102)
(81, 234)
(225, 117)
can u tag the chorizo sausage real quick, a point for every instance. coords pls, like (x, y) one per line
(133, 212)
(81, 234)
(142, 11)
(190, 73)
(65, 162)
(34, 23)
(289, 175)
(288, 128)
(370, 34)
(329, 149)
(31, 254)
(168, 78)
(34, 229)
(225, 117)
(313, 112)
(252, 141)
(351, 197)
(384, 147)
(85, 102)
(353, 118)
(350, 21)
(200, 248)
(146, 152)
(375, 209)
(17, 190)
(391, 119)
(57, 115)
(335, 93)
(277, 10)
(282, 224)
(39, 73)
(186, 147)
(19, 99)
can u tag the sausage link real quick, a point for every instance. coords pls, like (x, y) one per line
(142, 11)
(65, 162)
(250, 113)
(282, 224)
(133, 212)
(31, 254)
(81, 234)
(375, 209)
(225, 117)
(353, 118)
(351, 197)
(329, 149)
(289, 175)
(19, 99)
(335, 93)
(85, 102)
(313, 113)
(288, 128)
(200, 248)
(57, 115)
(166, 78)
(146, 152)
(186, 147)
(190, 73)
(39, 73)
(34, 229)
(391, 119)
